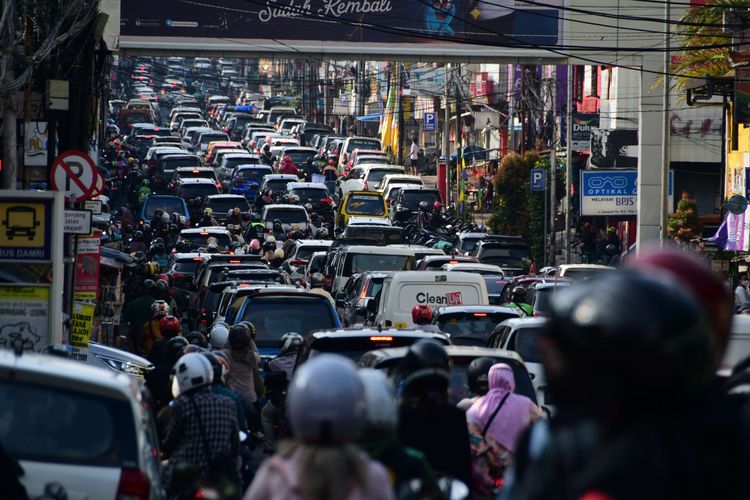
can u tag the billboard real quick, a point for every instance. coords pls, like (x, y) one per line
(614, 148)
(265, 23)
(613, 192)
(581, 133)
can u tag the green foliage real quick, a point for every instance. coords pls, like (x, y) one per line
(684, 224)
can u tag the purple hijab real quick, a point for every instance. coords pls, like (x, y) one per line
(512, 418)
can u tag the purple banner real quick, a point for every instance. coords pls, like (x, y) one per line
(737, 232)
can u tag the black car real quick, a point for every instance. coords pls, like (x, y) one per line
(471, 325)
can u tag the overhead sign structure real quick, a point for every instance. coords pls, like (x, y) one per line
(25, 229)
(77, 222)
(430, 120)
(538, 180)
(342, 26)
(75, 173)
(613, 192)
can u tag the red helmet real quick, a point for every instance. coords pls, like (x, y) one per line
(421, 314)
(169, 324)
(438, 205)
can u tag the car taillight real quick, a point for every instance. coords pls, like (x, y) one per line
(218, 185)
(299, 262)
(133, 485)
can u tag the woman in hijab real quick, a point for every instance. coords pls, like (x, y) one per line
(495, 422)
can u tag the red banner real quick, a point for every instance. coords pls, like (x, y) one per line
(87, 267)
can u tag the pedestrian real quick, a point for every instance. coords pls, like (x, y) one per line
(203, 430)
(414, 156)
(327, 410)
(495, 422)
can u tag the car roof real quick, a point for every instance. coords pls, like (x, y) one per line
(188, 255)
(459, 258)
(306, 185)
(196, 167)
(226, 197)
(304, 243)
(451, 350)
(373, 194)
(240, 155)
(473, 266)
(475, 309)
(583, 266)
(271, 177)
(523, 322)
(357, 332)
(554, 284)
(368, 222)
(380, 250)
(286, 206)
(209, 229)
(414, 187)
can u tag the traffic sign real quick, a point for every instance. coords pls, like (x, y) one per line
(77, 222)
(94, 205)
(25, 229)
(430, 122)
(538, 180)
(75, 173)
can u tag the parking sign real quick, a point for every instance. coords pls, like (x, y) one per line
(429, 122)
(538, 180)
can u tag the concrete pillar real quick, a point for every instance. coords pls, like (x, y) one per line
(650, 137)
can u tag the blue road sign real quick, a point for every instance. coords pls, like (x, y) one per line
(538, 180)
(430, 122)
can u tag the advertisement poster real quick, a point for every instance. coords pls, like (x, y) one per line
(25, 230)
(581, 133)
(82, 322)
(87, 267)
(24, 317)
(738, 232)
(613, 192)
(35, 144)
(483, 22)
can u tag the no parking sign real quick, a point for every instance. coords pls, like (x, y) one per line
(74, 172)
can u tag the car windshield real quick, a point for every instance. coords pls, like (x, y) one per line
(198, 190)
(361, 262)
(222, 205)
(412, 199)
(169, 205)
(206, 138)
(468, 244)
(310, 195)
(198, 240)
(507, 256)
(286, 215)
(376, 174)
(170, 164)
(388, 235)
(277, 185)
(527, 346)
(584, 273)
(233, 162)
(363, 204)
(54, 424)
(299, 157)
(354, 347)
(186, 266)
(307, 250)
(543, 299)
(363, 144)
(466, 326)
(251, 174)
(272, 319)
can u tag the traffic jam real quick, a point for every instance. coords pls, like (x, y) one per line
(285, 311)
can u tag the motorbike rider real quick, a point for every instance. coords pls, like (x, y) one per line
(278, 259)
(326, 408)
(518, 301)
(137, 244)
(317, 282)
(150, 333)
(287, 166)
(330, 172)
(138, 311)
(266, 157)
(220, 364)
(144, 191)
(169, 327)
(477, 376)
(425, 411)
(629, 360)
(380, 441)
(244, 375)
(277, 230)
(421, 315)
(424, 215)
(203, 429)
(158, 380)
(208, 218)
(269, 247)
(437, 217)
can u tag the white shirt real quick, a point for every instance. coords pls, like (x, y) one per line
(414, 152)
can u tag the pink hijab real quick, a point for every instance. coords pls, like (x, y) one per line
(512, 418)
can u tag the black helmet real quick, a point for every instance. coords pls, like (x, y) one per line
(478, 375)
(625, 344)
(298, 235)
(269, 246)
(173, 349)
(138, 236)
(158, 241)
(610, 249)
(197, 338)
(149, 285)
(424, 206)
(317, 280)
(426, 364)
(519, 294)
(239, 337)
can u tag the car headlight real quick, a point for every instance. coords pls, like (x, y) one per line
(128, 367)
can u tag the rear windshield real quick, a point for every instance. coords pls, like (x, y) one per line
(169, 165)
(233, 162)
(363, 144)
(362, 204)
(169, 205)
(507, 256)
(52, 424)
(198, 190)
(299, 157)
(354, 347)
(360, 262)
(375, 175)
(206, 138)
(286, 216)
(465, 327)
(459, 384)
(221, 205)
(526, 344)
(306, 251)
(310, 195)
(375, 159)
(388, 235)
(251, 174)
(277, 185)
(495, 285)
(272, 319)
(412, 199)
(584, 274)
(186, 266)
(201, 240)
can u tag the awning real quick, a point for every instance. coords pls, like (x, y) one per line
(374, 117)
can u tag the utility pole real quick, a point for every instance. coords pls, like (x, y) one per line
(10, 153)
(569, 162)
(446, 133)
(401, 126)
(665, 152)
(552, 202)
(459, 133)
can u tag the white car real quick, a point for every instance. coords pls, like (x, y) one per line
(366, 177)
(387, 181)
(88, 429)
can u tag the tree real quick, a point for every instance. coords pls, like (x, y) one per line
(684, 224)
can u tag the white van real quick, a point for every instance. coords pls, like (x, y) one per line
(738, 347)
(362, 258)
(404, 290)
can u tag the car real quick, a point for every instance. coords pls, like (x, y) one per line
(198, 237)
(166, 203)
(514, 257)
(182, 267)
(303, 249)
(269, 310)
(352, 143)
(389, 360)
(471, 325)
(407, 201)
(287, 124)
(398, 179)
(354, 342)
(474, 267)
(103, 356)
(351, 302)
(361, 203)
(228, 162)
(308, 129)
(578, 272)
(316, 194)
(88, 429)
(539, 295)
(292, 217)
(435, 262)
(154, 153)
(366, 177)
(246, 180)
(522, 336)
(381, 232)
(355, 259)
(203, 139)
(315, 265)
(181, 173)
(194, 192)
(465, 242)
(222, 204)
(166, 165)
(277, 183)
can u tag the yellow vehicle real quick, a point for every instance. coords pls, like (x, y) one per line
(365, 204)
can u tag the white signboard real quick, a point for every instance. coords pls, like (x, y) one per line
(77, 222)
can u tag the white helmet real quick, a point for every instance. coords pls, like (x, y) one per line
(219, 335)
(380, 397)
(191, 371)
